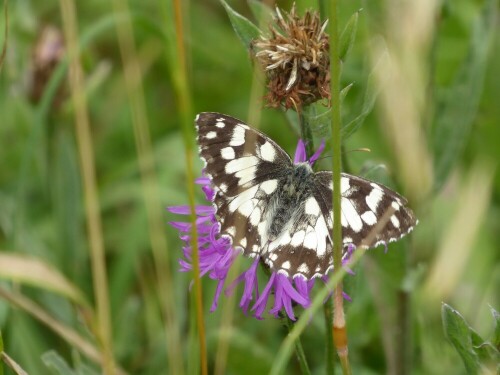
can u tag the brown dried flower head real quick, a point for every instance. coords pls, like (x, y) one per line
(295, 56)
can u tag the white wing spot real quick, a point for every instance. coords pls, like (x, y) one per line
(395, 206)
(374, 198)
(211, 135)
(298, 238)
(227, 153)
(273, 256)
(255, 216)
(269, 186)
(322, 234)
(286, 265)
(303, 268)
(223, 187)
(246, 208)
(244, 126)
(238, 165)
(311, 241)
(267, 152)
(246, 176)
(238, 137)
(243, 242)
(351, 215)
(369, 217)
(242, 198)
(312, 207)
(395, 221)
(344, 185)
(220, 124)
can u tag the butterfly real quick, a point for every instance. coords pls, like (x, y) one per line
(282, 212)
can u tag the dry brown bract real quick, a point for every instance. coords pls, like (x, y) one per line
(295, 57)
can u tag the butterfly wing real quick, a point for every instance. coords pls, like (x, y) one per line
(363, 203)
(305, 247)
(244, 166)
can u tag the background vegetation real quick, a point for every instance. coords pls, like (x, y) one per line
(434, 75)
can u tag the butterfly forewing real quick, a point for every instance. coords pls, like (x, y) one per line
(288, 221)
(243, 165)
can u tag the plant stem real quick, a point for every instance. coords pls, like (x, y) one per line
(330, 356)
(299, 350)
(339, 326)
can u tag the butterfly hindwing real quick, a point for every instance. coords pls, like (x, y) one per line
(363, 203)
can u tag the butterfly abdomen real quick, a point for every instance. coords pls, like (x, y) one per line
(295, 189)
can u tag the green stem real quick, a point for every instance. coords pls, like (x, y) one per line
(339, 324)
(299, 350)
(330, 350)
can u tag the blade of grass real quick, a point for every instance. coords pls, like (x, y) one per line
(147, 168)
(178, 65)
(67, 333)
(31, 271)
(6, 34)
(84, 139)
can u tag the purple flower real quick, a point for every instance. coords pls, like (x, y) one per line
(216, 257)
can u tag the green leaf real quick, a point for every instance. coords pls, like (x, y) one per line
(345, 91)
(243, 27)
(371, 94)
(56, 363)
(348, 35)
(261, 11)
(458, 107)
(459, 334)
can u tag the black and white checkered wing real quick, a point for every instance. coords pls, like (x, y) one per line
(282, 212)
(243, 165)
(305, 247)
(363, 203)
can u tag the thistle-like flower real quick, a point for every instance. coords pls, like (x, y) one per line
(295, 56)
(216, 257)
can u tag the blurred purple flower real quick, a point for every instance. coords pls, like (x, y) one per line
(217, 256)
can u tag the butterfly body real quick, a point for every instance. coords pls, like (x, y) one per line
(272, 208)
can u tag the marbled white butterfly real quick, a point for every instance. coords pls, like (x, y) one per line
(270, 207)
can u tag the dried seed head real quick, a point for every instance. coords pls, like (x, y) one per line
(295, 56)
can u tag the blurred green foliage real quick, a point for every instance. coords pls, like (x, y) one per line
(41, 194)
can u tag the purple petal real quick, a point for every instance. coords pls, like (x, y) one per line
(260, 304)
(220, 286)
(318, 152)
(186, 210)
(300, 152)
